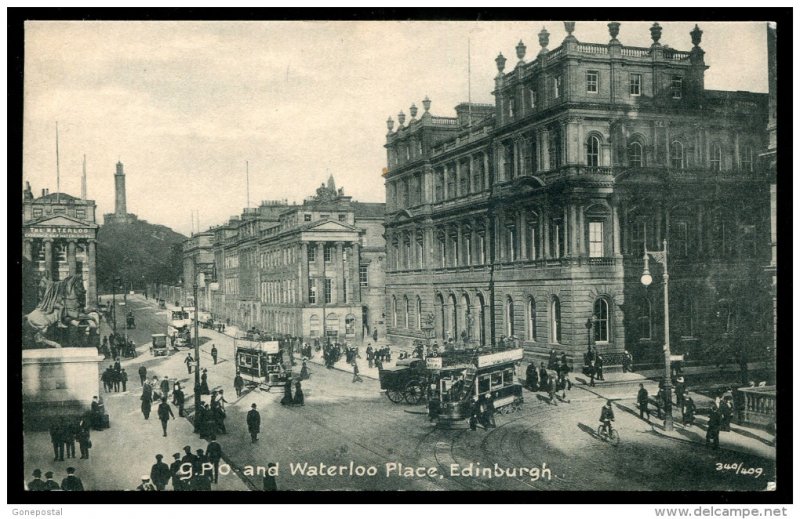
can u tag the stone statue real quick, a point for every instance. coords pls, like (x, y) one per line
(62, 303)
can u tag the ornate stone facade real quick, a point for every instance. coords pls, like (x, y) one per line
(529, 217)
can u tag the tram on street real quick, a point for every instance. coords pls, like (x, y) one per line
(457, 378)
(260, 363)
(178, 322)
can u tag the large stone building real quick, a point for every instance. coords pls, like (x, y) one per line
(530, 217)
(60, 237)
(303, 269)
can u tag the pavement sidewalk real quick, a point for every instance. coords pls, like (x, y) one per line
(123, 453)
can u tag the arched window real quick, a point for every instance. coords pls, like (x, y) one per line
(509, 317)
(601, 320)
(676, 155)
(394, 312)
(593, 152)
(555, 320)
(646, 319)
(419, 313)
(407, 309)
(635, 157)
(746, 158)
(531, 319)
(715, 160)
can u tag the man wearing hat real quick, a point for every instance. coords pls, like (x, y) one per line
(71, 483)
(36, 484)
(253, 423)
(164, 414)
(175, 471)
(160, 473)
(49, 484)
(146, 484)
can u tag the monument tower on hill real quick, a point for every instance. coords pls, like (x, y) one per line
(120, 214)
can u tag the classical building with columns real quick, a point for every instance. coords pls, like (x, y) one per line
(305, 269)
(60, 237)
(530, 217)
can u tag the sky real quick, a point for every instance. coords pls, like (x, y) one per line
(183, 105)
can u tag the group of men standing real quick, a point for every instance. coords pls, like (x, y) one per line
(113, 377)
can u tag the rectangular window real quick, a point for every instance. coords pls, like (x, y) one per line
(595, 239)
(677, 87)
(638, 236)
(327, 253)
(363, 280)
(306, 217)
(636, 85)
(468, 249)
(592, 81)
(557, 87)
(483, 384)
(342, 217)
(312, 291)
(557, 238)
(481, 249)
(679, 244)
(443, 253)
(312, 254)
(80, 213)
(37, 212)
(511, 108)
(328, 290)
(532, 97)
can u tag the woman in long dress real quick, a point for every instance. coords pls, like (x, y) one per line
(287, 393)
(304, 373)
(299, 398)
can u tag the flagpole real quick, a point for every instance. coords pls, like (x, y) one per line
(469, 79)
(58, 170)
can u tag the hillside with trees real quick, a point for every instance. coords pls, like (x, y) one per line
(138, 253)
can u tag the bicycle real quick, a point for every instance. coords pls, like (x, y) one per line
(612, 436)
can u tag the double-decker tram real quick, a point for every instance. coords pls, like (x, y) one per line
(260, 363)
(457, 378)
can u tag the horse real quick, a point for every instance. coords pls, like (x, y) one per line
(61, 304)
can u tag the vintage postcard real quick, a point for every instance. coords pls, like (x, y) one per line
(385, 255)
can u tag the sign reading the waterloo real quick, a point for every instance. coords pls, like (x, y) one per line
(507, 256)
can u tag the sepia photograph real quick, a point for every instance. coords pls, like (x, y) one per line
(399, 255)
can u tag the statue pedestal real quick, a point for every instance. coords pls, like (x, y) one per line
(58, 382)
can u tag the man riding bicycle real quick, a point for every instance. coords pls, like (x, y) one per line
(606, 417)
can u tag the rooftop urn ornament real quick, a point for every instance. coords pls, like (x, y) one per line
(426, 104)
(697, 35)
(389, 123)
(613, 30)
(501, 62)
(570, 28)
(401, 118)
(544, 39)
(655, 33)
(521, 48)
(413, 110)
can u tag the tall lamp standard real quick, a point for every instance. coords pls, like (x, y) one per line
(196, 357)
(647, 279)
(114, 282)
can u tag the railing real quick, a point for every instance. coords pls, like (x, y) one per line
(759, 405)
(555, 54)
(601, 261)
(592, 48)
(445, 121)
(676, 55)
(635, 52)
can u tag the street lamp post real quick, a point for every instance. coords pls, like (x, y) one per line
(114, 282)
(196, 359)
(647, 279)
